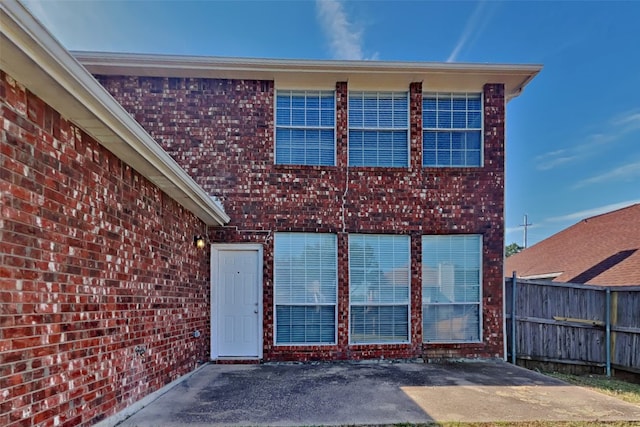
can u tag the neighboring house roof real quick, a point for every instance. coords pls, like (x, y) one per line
(318, 74)
(601, 250)
(36, 59)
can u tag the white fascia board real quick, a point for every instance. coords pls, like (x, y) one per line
(541, 276)
(287, 73)
(32, 56)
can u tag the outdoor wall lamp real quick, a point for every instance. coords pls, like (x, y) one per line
(198, 242)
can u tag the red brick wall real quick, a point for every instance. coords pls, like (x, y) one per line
(221, 132)
(94, 261)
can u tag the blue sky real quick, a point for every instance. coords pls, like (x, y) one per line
(573, 136)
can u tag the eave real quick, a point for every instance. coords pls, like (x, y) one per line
(316, 74)
(36, 59)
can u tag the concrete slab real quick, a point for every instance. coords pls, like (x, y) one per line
(374, 393)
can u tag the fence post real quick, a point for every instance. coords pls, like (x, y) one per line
(607, 320)
(513, 318)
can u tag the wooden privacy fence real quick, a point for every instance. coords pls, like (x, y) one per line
(574, 324)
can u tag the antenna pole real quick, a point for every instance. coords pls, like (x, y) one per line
(525, 224)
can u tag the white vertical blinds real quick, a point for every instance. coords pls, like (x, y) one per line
(379, 287)
(451, 284)
(378, 129)
(305, 288)
(305, 127)
(452, 129)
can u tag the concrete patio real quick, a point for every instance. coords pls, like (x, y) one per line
(373, 393)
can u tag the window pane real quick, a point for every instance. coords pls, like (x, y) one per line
(475, 103)
(283, 117)
(459, 120)
(444, 104)
(379, 324)
(283, 100)
(429, 103)
(313, 117)
(460, 104)
(305, 287)
(473, 140)
(451, 323)
(451, 280)
(305, 324)
(429, 141)
(473, 158)
(457, 158)
(457, 140)
(429, 120)
(313, 100)
(444, 119)
(444, 111)
(297, 117)
(474, 120)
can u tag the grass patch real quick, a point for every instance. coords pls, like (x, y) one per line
(524, 424)
(623, 390)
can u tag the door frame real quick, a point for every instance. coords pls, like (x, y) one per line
(216, 249)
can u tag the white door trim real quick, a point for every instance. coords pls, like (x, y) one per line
(216, 248)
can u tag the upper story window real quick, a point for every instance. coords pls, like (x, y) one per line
(379, 129)
(305, 127)
(452, 130)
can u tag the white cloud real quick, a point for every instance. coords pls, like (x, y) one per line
(345, 38)
(621, 173)
(474, 27)
(616, 128)
(629, 120)
(555, 158)
(587, 213)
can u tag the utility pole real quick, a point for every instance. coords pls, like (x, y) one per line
(526, 224)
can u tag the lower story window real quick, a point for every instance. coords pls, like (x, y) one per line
(379, 283)
(451, 283)
(305, 287)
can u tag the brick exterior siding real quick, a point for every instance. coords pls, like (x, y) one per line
(222, 133)
(94, 261)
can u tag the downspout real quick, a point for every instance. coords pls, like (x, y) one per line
(607, 320)
(514, 282)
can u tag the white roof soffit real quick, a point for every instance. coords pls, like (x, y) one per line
(321, 74)
(30, 54)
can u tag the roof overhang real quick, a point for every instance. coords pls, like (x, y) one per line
(317, 74)
(30, 54)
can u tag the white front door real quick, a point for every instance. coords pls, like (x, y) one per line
(236, 291)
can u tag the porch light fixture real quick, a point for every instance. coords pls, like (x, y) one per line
(198, 242)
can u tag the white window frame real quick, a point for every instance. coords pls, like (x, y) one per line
(452, 129)
(298, 127)
(426, 304)
(379, 129)
(305, 304)
(360, 304)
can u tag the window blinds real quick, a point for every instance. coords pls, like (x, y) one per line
(452, 129)
(378, 129)
(305, 127)
(305, 288)
(451, 284)
(379, 284)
